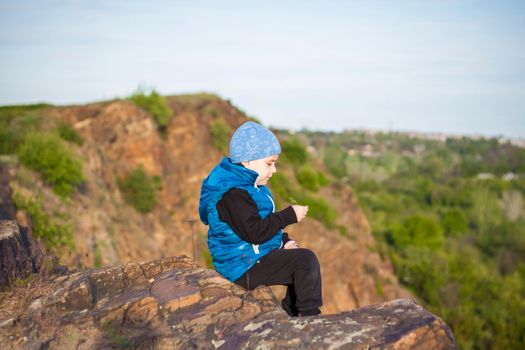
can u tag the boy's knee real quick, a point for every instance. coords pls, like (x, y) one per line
(308, 258)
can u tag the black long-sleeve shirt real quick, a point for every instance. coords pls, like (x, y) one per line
(240, 211)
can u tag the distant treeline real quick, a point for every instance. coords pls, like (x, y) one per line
(450, 215)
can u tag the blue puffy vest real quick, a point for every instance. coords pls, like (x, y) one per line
(231, 255)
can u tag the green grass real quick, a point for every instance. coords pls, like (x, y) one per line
(155, 104)
(45, 226)
(16, 122)
(294, 152)
(68, 133)
(194, 100)
(318, 208)
(220, 133)
(309, 178)
(207, 258)
(140, 190)
(117, 339)
(47, 154)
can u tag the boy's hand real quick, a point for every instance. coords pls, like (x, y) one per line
(300, 211)
(291, 244)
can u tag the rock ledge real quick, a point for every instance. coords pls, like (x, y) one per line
(170, 303)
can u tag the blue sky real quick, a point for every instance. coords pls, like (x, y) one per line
(441, 66)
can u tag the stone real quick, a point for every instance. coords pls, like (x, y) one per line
(20, 254)
(172, 293)
(134, 277)
(371, 327)
(189, 299)
(222, 304)
(7, 323)
(35, 305)
(197, 324)
(113, 317)
(248, 311)
(107, 282)
(177, 262)
(79, 297)
(264, 294)
(180, 311)
(151, 268)
(215, 292)
(142, 312)
(172, 305)
(217, 281)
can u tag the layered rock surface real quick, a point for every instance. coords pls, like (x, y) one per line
(20, 254)
(172, 304)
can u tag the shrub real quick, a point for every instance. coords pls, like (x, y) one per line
(140, 190)
(68, 133)
(155, 104)
(454, 222)
(52, 234)
(418, 231)
(47, 154)
(15, 123)
(255, 119)
(334, 159)
(281, 186)
(9, 141)
(207, 258)
(308, 178)
(295, 152)
(319, 209)
(323, 179)
(220, 133)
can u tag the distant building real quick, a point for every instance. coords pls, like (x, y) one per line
(485, 176)
(510, 176)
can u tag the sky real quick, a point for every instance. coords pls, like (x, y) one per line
(433, 66)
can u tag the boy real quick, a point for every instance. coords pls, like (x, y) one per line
(245, 234)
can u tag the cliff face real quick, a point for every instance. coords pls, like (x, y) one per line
(171, 303)
(119, 136)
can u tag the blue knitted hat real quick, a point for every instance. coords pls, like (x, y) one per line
(253, 141)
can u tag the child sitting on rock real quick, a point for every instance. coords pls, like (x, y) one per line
(245, 234)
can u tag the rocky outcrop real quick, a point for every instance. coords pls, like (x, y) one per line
(119, 136)
(20, 253)
(398, 324)
(172, 304)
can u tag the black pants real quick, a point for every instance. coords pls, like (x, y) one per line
(296, 268)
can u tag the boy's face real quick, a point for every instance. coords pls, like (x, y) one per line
(265, 167)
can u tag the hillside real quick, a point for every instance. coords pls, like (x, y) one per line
(450, 214)
(94, 225)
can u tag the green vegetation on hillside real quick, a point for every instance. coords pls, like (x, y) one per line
(295, 156)
(155, 104)
(16, 122)
(22, 133)
(46, 153)
(294, 152)
(450, 214)
(68, 133)
(140, 190)
(220, 133)
(45, 227)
